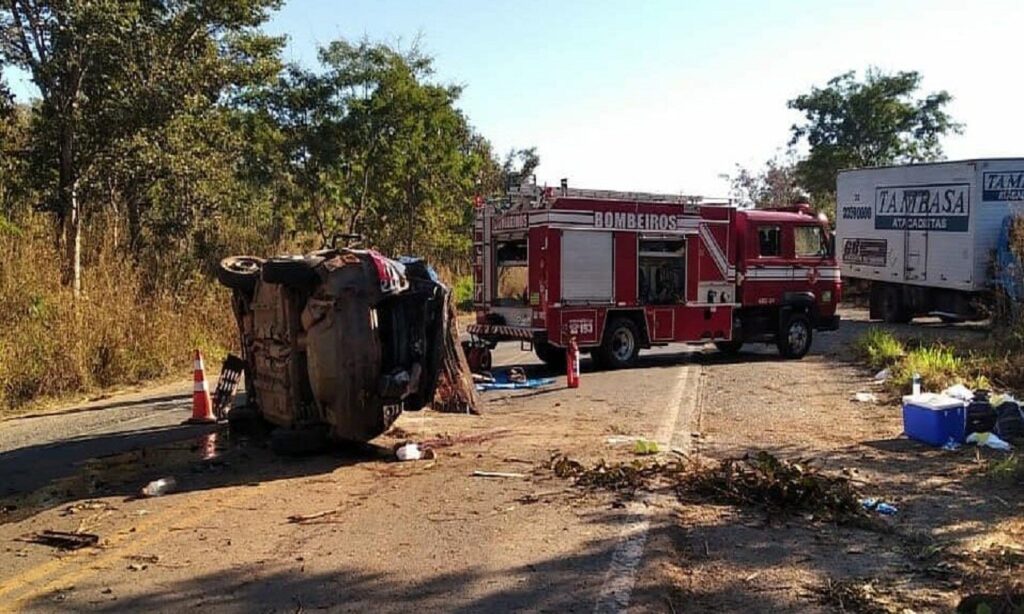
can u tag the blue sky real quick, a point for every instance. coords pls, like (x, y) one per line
(667, 95)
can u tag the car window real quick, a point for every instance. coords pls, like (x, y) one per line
(809, 241)
(769, 240)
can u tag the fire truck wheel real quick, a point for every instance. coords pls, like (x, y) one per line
(621, 345)
(550, 355)
(795, 337)
(479, 359)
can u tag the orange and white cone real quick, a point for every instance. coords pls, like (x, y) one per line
(202, 407)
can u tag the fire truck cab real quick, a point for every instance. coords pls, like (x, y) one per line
(622, 271)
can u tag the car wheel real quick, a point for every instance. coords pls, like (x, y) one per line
(550, 355)
(240, 272)
(621, 345)
(293, 271)
(729, 348)
(795, 337)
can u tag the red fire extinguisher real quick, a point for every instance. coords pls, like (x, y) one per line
(572, 363)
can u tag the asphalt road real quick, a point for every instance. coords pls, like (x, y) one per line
(355, 530)
(386, 536)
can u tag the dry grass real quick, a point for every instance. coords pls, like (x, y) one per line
(120, 331)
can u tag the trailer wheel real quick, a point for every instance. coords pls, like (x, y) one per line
(621, 345)
(795, 336)
(550, 355)
(890, 305)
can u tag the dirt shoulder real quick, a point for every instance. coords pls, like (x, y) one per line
(950, 538)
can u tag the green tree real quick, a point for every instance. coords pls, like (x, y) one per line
(880, 120)
(371, 145)
(109, 70)
(519, 166)
(775, 185)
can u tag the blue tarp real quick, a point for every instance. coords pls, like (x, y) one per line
(501, 382)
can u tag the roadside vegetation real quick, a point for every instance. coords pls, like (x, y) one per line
(938, 365)
(163, 136)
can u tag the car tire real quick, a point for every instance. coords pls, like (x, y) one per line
(550, 355)
(240, 272)
(621, 345)
(729, 348)
(795, 336)
(301, 441)
(292, 271)
(245, 419)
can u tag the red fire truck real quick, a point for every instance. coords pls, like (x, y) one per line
(622, 271)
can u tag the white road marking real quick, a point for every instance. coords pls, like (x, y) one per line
(629, 551)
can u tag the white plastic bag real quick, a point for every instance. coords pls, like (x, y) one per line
(989, 440)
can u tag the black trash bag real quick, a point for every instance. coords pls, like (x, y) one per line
(981, 417)
(1009, 420)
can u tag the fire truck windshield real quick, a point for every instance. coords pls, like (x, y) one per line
(511, 273)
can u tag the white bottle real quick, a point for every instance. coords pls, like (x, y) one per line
(159, 487)
(916, 390)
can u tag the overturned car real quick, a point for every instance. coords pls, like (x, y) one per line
(338, 342)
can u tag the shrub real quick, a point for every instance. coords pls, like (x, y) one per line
(464, 293)
(119, 331)
(937, 366)
(879, 348)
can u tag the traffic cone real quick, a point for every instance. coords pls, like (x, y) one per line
(202, 408)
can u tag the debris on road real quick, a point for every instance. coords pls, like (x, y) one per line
(645, 447)
(881, 507)
(989, 440)
(497, 474)
(300, 518)
(412, 452)
(158, 488)
(779, 486)
(618, 477)
(85, 506)
(865, 397)
(65, 540)
(883, 376)
(862, 595)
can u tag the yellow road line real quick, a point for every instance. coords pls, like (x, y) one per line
(93, 564)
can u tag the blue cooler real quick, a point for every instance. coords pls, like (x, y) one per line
(934, 418)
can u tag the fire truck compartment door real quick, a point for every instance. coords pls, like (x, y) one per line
(587, 266)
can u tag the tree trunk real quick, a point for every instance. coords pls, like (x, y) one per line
(456, 392)
(70, 214)
(74, 245)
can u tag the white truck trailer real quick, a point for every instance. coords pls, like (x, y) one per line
(923, 235)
